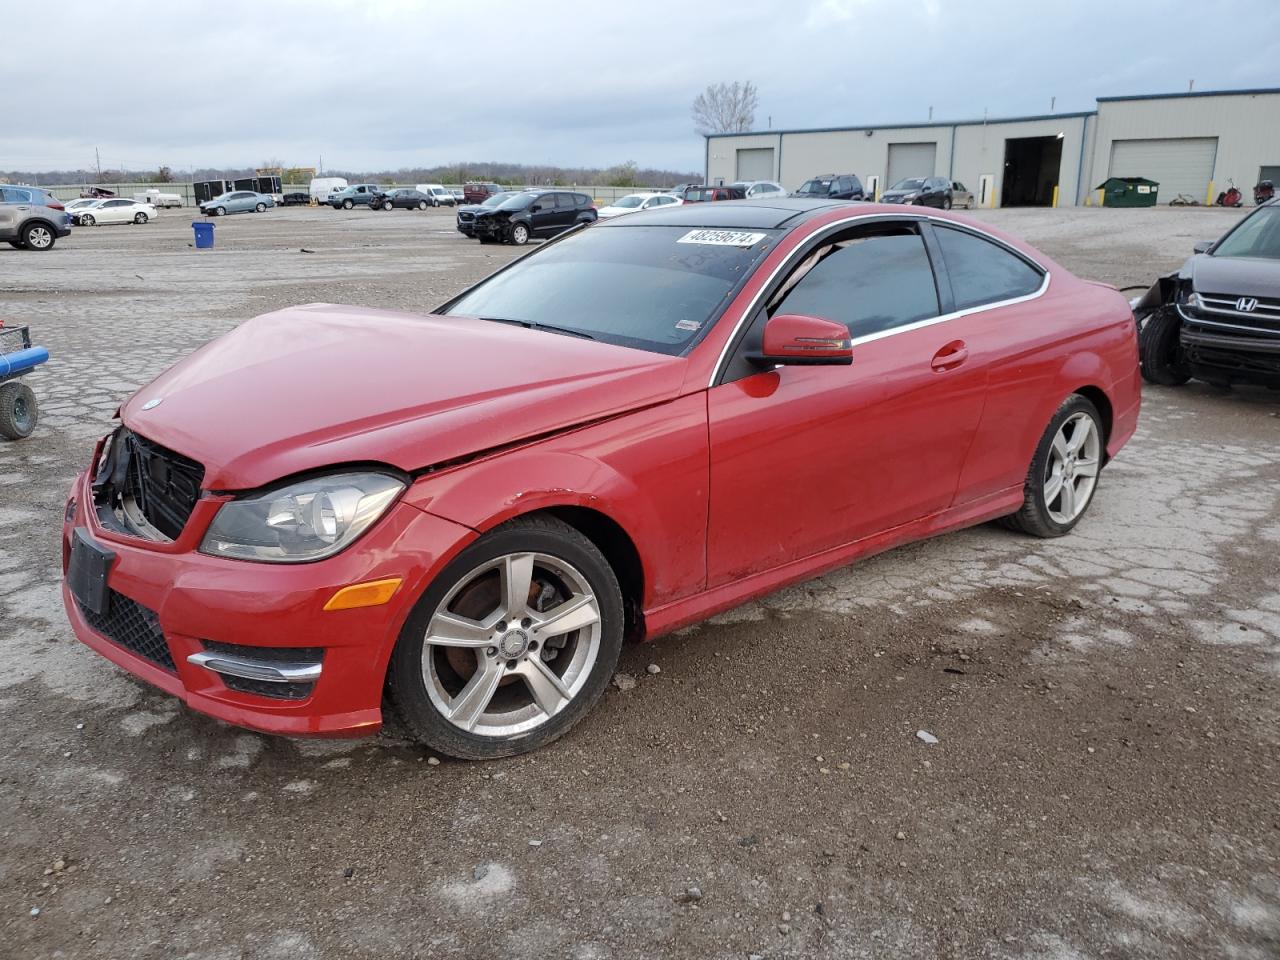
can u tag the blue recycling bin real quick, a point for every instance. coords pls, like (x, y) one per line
(204, 235)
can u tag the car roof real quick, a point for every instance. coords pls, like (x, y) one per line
(766, 214)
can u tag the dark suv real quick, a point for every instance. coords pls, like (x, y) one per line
(833, 186)
(920, 191)
(479, 192)
(533, 213)
(1218, 318)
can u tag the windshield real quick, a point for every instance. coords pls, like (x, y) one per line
(498, 198)
(630, 202)
(914, 183)
(1257, 236)
(650, 287)
(518, 202)
(816, 187)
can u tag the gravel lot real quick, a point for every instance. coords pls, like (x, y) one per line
(1105, 785)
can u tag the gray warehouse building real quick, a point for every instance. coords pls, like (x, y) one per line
(1190, 143)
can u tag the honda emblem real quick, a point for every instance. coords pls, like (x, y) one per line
(1247, 304)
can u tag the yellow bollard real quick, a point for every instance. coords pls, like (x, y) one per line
(1055, 196)
(1208, 197)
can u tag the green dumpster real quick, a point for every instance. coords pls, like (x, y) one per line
(1128, 192)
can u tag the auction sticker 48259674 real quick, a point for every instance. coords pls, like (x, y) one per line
(722, 238)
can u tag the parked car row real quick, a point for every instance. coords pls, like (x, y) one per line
(378, 197)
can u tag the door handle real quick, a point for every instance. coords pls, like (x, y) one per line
(950, 356)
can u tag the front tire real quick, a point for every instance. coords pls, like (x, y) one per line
(1158, 343)
(347, 204)
(1063, 475)
(519, 234)
(220, 211)
(86, 220)
(511, 645)
(260, 208)
(140, 218)
(387, 205)
(18, 410)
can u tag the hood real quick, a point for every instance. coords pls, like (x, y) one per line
(310, 387)
(899, 193)
(1234, 276)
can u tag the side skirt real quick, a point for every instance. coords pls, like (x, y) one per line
(673, 616)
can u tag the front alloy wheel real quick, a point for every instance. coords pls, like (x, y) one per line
(519, 234)
(512, 644)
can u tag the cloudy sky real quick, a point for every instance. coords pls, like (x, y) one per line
(381, 84)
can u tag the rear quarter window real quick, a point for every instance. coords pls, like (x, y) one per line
(982, 271)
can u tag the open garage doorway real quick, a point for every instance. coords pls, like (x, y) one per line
(1031, 166)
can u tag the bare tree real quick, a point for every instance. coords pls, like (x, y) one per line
(726, 107)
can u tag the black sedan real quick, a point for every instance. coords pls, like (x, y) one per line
(921, 191)
(406, 198)
(1218, 318)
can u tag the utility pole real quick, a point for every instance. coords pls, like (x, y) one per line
(1053, 102)
(1191, 85)
(97, 159)
(931, 112)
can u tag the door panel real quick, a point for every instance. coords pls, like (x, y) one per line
(807, 458)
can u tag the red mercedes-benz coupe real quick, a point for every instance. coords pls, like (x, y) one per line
(637, 425)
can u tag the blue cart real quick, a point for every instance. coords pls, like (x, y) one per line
(18, 408)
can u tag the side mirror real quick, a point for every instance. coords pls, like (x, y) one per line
(535, 208)
(1202, 247)
(795, 340)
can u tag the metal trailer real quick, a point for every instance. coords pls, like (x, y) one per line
(19, 410)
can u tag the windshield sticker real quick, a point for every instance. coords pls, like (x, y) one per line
(688, 325)
(722, 238)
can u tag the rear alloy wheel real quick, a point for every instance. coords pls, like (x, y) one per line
(1158, 346)
(140, 218)
(38, 236)
(18, 410)
(511, 645)
(519, 234)
(1064, 471)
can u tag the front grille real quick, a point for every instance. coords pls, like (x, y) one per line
(466, 216)
(1221, 312)
(129, 624)
(164, 485)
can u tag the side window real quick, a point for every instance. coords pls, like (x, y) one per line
(870, 283)
(841, 185)
(565, 201)
(855, 185)
(17, 196)
(982, 271)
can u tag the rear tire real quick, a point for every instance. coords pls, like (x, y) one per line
(38, 236)
(422, 204)
(586, 656)
(1036, 516)
(1158, 349)
(18, 411)
(946, 203)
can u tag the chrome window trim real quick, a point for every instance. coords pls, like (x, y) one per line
(795, 255)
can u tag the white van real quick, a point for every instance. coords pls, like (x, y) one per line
(322, 187)
(438, 194)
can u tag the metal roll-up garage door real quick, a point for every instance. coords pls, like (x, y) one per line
(911, 160)
(755, 164)
(1179, 165)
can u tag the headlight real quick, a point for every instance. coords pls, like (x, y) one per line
(304, 521)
